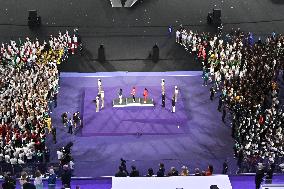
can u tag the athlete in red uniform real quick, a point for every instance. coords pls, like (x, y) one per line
(145, 94)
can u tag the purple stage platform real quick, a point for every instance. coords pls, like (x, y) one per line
(144, 136)
(133, 120)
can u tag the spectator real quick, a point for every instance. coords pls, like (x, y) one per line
(28, 184)
(8, 183)
(173, 172)
(225, 167)
(209, 171)
(184, 171)
(161, 171)
(150, 172)
(121, 172)
(38, 180)
(197, 172)
(134, 172)
(123, 165)
(23, 179)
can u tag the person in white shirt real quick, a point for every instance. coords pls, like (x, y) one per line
(100, 86)
(71, 165)
(97, 103)
(102, 99)
(163, 86)
(13, 161)
(38, 180)
(120, 96)
(177, 36)
(59, 155)
(176, 93)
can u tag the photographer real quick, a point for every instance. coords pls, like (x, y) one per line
(8, 183)
(64, 117)
(76, 119)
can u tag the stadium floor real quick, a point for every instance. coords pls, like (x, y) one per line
(198, 138)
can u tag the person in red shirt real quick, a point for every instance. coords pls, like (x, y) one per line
(133, 92)
(209, 171)
(145, 94)
(261, 120)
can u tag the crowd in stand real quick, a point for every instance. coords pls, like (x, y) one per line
(28, 93)
(246, 72)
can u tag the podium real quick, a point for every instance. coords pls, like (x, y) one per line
(128, 102)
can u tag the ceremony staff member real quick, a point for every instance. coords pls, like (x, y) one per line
(97, 103)
(173, 105)
(102, 99)
(145, 94)
(133, 93)
(100, 87)
(163, 86)
(176, 93)
(120, 96)
(163, 99)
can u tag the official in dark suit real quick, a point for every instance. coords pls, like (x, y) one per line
(259, 176)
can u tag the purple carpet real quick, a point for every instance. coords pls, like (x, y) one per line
(133, 120)
(201, 139)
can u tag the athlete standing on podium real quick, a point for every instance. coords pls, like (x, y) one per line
(133, 92)
(145, 94)
(120, 96)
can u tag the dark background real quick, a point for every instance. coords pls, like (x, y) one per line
(129, 33)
